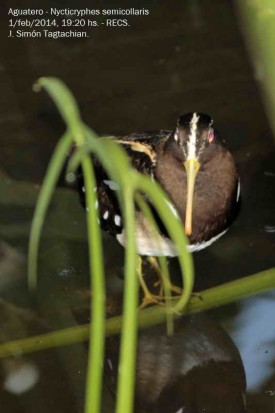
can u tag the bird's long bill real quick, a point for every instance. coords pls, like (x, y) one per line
(192, 167)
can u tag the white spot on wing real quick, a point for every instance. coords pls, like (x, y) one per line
(105, 215)
(111, 184)
(192, 137)
(83, 189)
(117, 220)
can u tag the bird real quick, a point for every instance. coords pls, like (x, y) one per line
(197, 172)
(197, 369)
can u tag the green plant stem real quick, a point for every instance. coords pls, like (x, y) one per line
(167, 293)
(70, 113)
(211, 298)
(97, 326)
(96, 347)
(258, 26)
(126, 378)
(55, 166)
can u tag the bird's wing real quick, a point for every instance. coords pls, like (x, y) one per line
(141, 149)
(107, 201)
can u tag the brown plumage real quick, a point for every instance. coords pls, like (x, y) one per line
(192, 154)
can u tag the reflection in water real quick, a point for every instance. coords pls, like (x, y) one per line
(254, 334)
(197, 369)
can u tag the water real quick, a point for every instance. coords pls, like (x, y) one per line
(185, 57)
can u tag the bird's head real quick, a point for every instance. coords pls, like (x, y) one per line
(192, 143)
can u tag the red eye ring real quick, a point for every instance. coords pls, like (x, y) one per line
(211, 135)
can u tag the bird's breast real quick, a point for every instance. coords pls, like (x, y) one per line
(214, 194)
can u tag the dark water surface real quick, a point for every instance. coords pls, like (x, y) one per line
(185, 56)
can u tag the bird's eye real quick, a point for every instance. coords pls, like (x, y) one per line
(211, 135)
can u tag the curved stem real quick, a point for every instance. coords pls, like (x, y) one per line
(97, 329)
(126, 381)
(53, 172)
